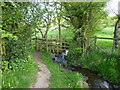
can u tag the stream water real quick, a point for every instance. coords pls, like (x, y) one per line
(93, 80)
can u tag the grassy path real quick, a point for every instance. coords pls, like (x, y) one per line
(43, 73)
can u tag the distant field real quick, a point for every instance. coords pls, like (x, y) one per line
(107, 32)
(104, 43)
(65, 32)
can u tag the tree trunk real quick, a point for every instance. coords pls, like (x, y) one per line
(36, 39)
(41, 32)
(116, 33)
(59, 27)
(46, 32)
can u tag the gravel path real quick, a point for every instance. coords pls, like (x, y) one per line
(43, 75)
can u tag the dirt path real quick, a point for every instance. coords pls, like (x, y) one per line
(43, 74)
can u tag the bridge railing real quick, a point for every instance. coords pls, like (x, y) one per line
(52, 44)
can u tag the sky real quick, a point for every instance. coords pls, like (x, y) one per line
(112, 7)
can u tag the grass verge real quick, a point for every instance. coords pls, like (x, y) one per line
(61, 78)
(20, 78)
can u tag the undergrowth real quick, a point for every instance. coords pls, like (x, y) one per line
(61, 78)
(22, 74)
(106, 64)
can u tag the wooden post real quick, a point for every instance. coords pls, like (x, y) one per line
(47, 44)
(64, 41)
(36, 44)
(57, 44)
(51, 45)
(61, 42)
(113, 49)
(95, 42)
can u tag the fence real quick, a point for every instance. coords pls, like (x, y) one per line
(52, 44)
(96, 46)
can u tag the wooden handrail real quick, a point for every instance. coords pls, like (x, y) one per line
(105, 38)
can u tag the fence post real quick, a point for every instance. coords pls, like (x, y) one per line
(51, 44)
(95, 42)
(57, 44)
(47, 44)
(64, 42)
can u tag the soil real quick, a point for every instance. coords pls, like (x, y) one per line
(43, 74)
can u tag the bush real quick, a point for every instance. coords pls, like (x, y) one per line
(106, 64)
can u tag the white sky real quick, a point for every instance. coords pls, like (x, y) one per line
(112, 7)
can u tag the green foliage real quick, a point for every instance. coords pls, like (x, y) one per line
(61, 78)
(7, 34)
(106, 64)
(0, 79)
(5, 65)
(22, 76)
(16, 32)
(74, 53)
(84, 16)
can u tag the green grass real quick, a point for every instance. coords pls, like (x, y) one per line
(107, 65)
(105, 44)
(20, 78)
(107, 32)
(61, 78)
(64, 32)
(0, 79)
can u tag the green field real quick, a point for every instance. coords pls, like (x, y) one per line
(64, 32)
(105, 44)
(107, 32)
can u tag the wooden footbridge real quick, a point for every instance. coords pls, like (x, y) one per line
(53, 44)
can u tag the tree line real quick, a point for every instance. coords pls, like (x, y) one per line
(22, 21)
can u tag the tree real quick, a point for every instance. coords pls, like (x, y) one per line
(58, 8)
(16, 30)
(85, 18)
(116, 32)
(47, 18)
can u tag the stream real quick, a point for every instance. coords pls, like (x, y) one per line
(93, 80)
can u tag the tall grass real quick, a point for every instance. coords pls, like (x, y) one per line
(61, 78)
(107, 65)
